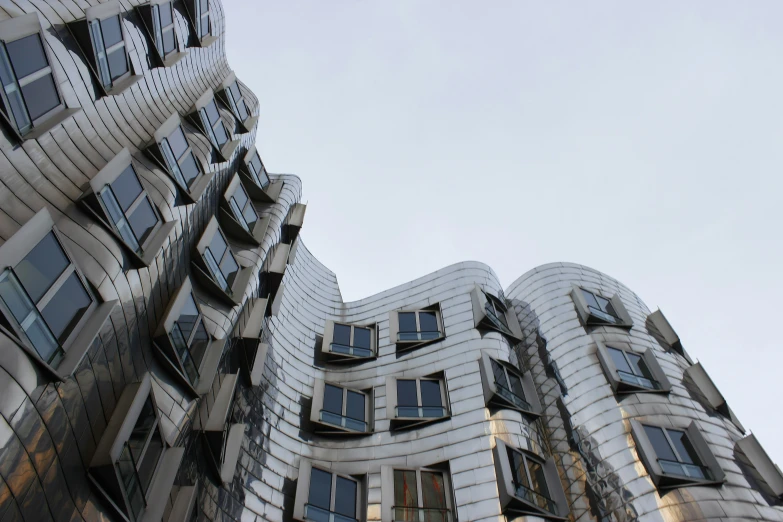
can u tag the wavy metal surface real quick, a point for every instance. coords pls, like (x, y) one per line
(50, 430)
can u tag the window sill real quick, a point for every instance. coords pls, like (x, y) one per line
(221, 408)
(46, 126)
(501, 402)
(241, 282)
(232, 227)
(403, 423)
(209, 366)
(248, 125)
(83, 341)
(162, 484)
(184, 504)
(407, 346)
(268, 195)
(226, 151)
(594, 320)
(173, 58)
(123, 85)
(208, 40)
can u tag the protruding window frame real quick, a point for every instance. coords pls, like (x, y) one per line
(485, 315)
(222, 437)
(196, 15)
(625, 386)
(397, 422)
(235, 294)
(770, 475)
(337, 357)
(293, 223)
(696, 374)
(589, 318)
(267, 193)
(671, 340)
(272, 273)
(250, 121)
(302, 498)
(495, 397)
(150, 15)
(325, 427)
(407, 345)
(198, 115)
(388, 497)
(253, 351)
(231, 222)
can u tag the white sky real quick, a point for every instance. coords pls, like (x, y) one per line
(643, 140)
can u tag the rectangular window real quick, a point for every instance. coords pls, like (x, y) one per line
(202, 18)
(496, 311)
(179, 158)
(351, 340)
(190, 339)
(237, 102)
(509, 385)
(129, 209)
(221, 262)
(345, 408)
(600, 307)
(243, 209)
(423, 325)
(258, 171)
(163, 27)
(210, 118)
(109, 47)
(29, 88)
(420, 398)
(632, 368)
(421, 495)
(529, 480)
(332, 497)
(675, 453)
(46, 297)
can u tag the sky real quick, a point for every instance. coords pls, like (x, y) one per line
(642, 140)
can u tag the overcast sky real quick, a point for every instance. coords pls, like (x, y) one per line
(643, 140)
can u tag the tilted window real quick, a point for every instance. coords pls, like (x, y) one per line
(221, 261)
(118, 198)
(172, 149)
(203, 27)
(233, 97)
(675, 456)
(528, 484)
(416, 494)
(243, 209)
(210, 117)
(257, 170)
(44, 296)
(31, 97)
(348, 342)
(766, 473)
(239, 216)
(410, 402)
(507, 387)
(660, 328)
(158, 19)
(630, 372)
(491, 312)
(293, 223)
(201, 18)
(347, 410)
(223, 438)
(595, 309)
(206, 115)
(413, 328)
(217, 266)
(324, 495)
(253, 333)
(708, 393)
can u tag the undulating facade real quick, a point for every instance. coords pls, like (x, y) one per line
(171, 350)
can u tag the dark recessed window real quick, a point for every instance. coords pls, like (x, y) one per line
(509, 385)
(202, 18)
(632, 368)
(109, 47)
(351, 340)
(190, 339)
(418, 326)
(258, 171)
(530, 480)
(496, 311)
(237, 102)
(420, 398)
(46, 297)
(210, 118)
(676, 455)
(345, 408)
(163, 27)
(221, 261)
(332, 497)
(600, 307)
(129, 209)
(243, 209)
(29, 88)
(421, 495)
(179, 158)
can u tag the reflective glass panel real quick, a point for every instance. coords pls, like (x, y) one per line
(639, 366)
(345, 497)
(118, 63)
(361, 337)
(212, 112)
(428, 322)
(499, 373)
(126, 187)
(41, 96)
(516, 385)
(430, 394)
(406, 393)
(342, 334)
(42, 266)
(407, 321)
(143, 220)
(165, 14)
(355, 405)
(618, 359)
(320, 489)
(405, 491)
(150, 461)
(684, 447)
(433, 490)
(333, 399)
(198, 346)
(589, 298)
(178, 143)
(63, 312)
(169, 42)
(518, 468)
(142, 429)
(112, 31)
(229, 267)
(27, 55)
(537, 478)
(188, 317)
(217, 245)
(189, 169)
(659, 443)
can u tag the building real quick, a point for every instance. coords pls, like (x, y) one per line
(189, 359)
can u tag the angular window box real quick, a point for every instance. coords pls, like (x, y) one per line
(293, 222)
(489, 312)
(273, 272)
(711, 393)
(629, 371)
(410, 329)
(676, 457)
(412, 402)
(528, 484)
(117, 198)
(238, 216)
(206, 116)
(103, 41)
(325, 495)
(216, 267)
(670, 337)
(221, 437)
(766, 472)
(231, 95)
(201, 18)
(507, 387)
(340, 410)
(596, 310)
(132, 466)
(256, 178)
(32, 102)
(277, 301)
(44, 298)
(172, 151)
(349, 343)
(184, 344)
(417, 494)
(253, 350)
(164, 39)
(183, 504)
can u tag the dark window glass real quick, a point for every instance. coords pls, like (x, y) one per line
(333, 399)
(516, 385)
(177, 142)
(112, 31)
(342, 334)
(165, 14)
(130, 482)
(66, 307)
(428, 322)
(169, 42)
(537, 478)
(229, 267)
(234, 91)
(118, 63)
(345, 497)
(220, 134)
(499, 373)
(590, 299)
(320, 489)
(257, 165)
(41, 96)
(204, 6)
(212, 113)
(355, 406)
(606, 306)
(659, 443)
(518, 469)
(141, 430)
(430, 394)
(217, 245)
(619, 360)
(27, 55)
(189, 169)
(143, 220)
(407, 321)
(188, 317)
(42, 266)
(240, 197)
(433, 492)
(406, 393)
(684, 447)
(406, 493)
(639, 367)
(150, 461)
(250, 215)
(126, 188)
(361, 337)
(198, 347)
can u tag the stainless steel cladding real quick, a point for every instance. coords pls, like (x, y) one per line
(171, 350)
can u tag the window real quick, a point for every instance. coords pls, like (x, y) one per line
(257, 170)
(107, 41)
(190, 338)
(243, 209)
(202, 18)
(765, 472)
(174, 153)
(490, 312)
(660, 328)
(45, 298)
(595, 309)
(675, 456)
(324, 495)
(411, 402)
(239, 217)
(132, 463)
(206, 115)
(163, 29)
(416, 494)
(221, 261)
(30, 92)
(708, 394)
(410, 329)
(630, 372)
(217, 266)
(234, 99)
(528, 484)
(347, 342)
(343, 408)
(507, 387)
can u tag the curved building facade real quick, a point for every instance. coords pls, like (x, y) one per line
(170, 349)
